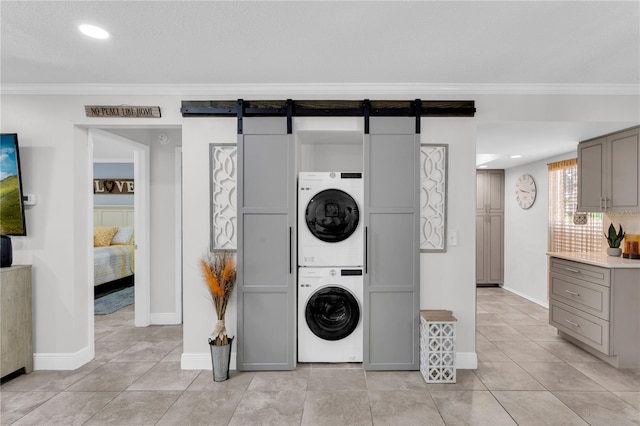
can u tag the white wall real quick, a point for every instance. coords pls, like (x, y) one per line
(54, 153)
(162, 226)
(199, 312)
(448, 280)
(526, 237)
(53, 142)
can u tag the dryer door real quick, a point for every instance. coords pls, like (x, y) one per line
(332, 215)
(332, 313)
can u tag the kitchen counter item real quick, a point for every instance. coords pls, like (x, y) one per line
(598, 259)
(631, 246)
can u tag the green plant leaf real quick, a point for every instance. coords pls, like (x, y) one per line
(614, 238)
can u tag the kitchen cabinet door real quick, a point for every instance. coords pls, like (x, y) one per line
(623, 171)
(392, 263)
(592, 159)
(266, 246)
(609, 173)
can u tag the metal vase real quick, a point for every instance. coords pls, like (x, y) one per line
(220, 359)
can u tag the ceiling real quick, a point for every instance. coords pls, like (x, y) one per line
(441, 47)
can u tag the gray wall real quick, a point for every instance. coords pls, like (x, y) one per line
(113, 170)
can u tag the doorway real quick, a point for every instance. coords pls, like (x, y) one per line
(126, 149)
(157, 156)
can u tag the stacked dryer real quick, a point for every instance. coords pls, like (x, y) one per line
(330, 256)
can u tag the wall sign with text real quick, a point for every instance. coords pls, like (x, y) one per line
(112, 186)
(126, 111)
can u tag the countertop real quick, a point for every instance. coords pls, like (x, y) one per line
(598, 259)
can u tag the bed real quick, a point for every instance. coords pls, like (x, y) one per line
(114, 262)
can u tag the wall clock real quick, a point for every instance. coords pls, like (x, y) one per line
(525, 191)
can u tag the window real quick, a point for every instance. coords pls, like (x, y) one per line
(564, 235)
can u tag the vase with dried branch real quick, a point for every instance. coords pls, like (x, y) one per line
(220, 276)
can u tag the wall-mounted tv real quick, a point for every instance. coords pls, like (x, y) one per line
(11, 204)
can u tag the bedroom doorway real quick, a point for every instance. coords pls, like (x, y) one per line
(139, 156)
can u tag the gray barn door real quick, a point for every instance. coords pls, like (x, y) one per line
(392, 275)
(266, 245)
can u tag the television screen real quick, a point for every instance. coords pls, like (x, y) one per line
(11, 205)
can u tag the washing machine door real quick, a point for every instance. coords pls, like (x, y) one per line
(332, 215)
(332, 313)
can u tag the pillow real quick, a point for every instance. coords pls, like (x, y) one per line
(123, 236)
(102, 235)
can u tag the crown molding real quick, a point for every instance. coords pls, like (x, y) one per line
(299, 90)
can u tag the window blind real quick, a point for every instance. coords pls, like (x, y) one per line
(564, 235)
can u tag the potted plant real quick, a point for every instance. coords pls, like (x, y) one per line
(220, 276)
(614, 239)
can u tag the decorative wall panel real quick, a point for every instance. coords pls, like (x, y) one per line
(433, 197)
(223, 166)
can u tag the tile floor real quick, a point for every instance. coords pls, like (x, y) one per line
(526, 375)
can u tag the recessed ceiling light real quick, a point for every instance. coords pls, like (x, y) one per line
(516, 156)
(93, 31)
(484, 166)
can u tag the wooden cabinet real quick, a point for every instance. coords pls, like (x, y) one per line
(597, 308)
(16, 320)
(489, 226)
(609, 173)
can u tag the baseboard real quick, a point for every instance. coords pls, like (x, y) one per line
(167, 318)
(526, 296)
(62, 361)
(202, 361)
(466, 360)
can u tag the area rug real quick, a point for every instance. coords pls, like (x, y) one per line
(114, 301)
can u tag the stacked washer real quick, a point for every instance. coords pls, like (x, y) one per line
(330, 253)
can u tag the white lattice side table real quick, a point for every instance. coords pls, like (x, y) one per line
(438, 346)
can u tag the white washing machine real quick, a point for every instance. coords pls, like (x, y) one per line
(330, 315)
(330, 225)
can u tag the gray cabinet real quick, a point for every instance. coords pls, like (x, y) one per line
(489, 226)
(392, 264)
(598, 309)
(16, 319)
(609, 173)
(591, 175)
(266, 246)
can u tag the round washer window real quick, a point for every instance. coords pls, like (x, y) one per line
(332, 313)
(332, 215)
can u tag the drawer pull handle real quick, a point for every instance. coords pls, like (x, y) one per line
(573, 293)
(577, 271)
(573, 323)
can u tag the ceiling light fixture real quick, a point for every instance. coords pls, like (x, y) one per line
(484, 166)
(93, 31)
(516, 156)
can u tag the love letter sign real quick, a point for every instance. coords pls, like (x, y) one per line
(112, 186)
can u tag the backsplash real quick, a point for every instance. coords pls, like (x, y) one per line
(630, 222)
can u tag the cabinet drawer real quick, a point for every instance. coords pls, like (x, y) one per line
(587, 328)
(582, 271)
(580, 294)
